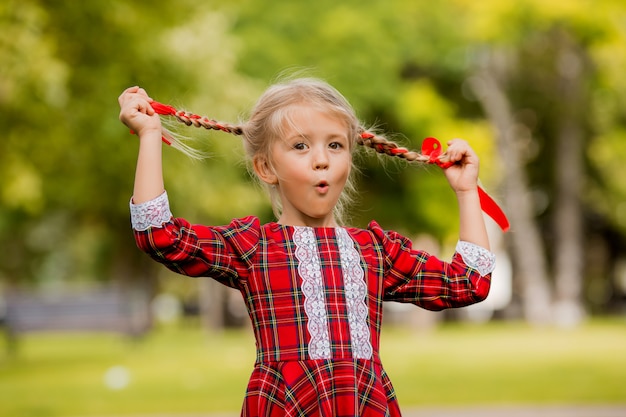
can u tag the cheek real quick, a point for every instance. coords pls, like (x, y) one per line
(347, 166)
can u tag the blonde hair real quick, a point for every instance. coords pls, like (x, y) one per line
(270, 118)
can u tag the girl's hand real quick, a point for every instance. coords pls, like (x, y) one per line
(463, 174)
(137, 113)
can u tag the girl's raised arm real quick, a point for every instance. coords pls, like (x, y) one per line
(463, 178)
(138, 115)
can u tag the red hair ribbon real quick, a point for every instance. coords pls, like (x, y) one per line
(168, 110)
(432, 148)
(160, 108)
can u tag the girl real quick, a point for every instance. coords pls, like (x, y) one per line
(313, 288)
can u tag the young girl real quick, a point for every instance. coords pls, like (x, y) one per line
(313, 288)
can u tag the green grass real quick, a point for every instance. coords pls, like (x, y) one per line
(510, 364)
(183, 370)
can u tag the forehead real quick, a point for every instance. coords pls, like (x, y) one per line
(314, 117)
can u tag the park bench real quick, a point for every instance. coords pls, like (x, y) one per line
(93, 309)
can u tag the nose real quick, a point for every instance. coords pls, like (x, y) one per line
(320, 159)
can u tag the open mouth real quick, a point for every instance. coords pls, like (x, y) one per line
(322, 186)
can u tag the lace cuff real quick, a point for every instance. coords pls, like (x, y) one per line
(476, 257)
(151, 213)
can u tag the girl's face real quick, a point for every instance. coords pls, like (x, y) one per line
(309, 167)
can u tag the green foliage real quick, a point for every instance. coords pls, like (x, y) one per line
(67, 163)
(608, 192)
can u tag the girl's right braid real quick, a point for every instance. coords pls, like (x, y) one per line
(387, 147)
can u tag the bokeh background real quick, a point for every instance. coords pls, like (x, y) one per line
(94, 328)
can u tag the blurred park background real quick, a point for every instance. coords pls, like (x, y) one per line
(94, 328)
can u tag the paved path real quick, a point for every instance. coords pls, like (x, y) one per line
(539, 411)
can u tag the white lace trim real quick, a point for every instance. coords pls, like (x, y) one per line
(356, 294)
(151, 213)
(476, 257)
(310, 271)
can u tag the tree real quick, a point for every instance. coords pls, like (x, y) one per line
(548, 76)
(67, 163)
(527, 246)
(67, 159)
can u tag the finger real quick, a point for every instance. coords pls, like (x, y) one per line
(135, 90)
(144, 93)
(125, 93)
(144, 107)
(452, 154)
(457, 154)
(458, 149)
(132, 89)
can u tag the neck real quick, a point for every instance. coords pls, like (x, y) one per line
(308, 222)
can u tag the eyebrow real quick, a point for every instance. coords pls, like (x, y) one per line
(332, 137)
(296, 136)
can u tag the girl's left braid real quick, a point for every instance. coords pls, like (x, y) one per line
(387, 147)
(195, 120)
(199, 121)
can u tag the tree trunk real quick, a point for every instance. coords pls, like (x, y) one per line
(568, 222)
(528, 249)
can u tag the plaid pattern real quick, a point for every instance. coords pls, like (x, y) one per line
(259, 261)
(329, 388)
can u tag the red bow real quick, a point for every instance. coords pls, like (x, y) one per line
(160, 108)
(432, 148)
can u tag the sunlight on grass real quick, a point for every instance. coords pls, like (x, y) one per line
(185, 370)
(509, 364)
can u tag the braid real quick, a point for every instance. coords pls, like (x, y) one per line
(199, 121)
(193, 119)
(379, 143)
(189, 119)
(384, 146)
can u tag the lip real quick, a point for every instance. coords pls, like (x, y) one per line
(322, 187)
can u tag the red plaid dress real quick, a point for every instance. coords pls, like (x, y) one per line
(314, 296)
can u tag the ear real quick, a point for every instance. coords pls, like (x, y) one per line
(264, 171)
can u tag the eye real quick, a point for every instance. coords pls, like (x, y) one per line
(335, 145)
(300, 146)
